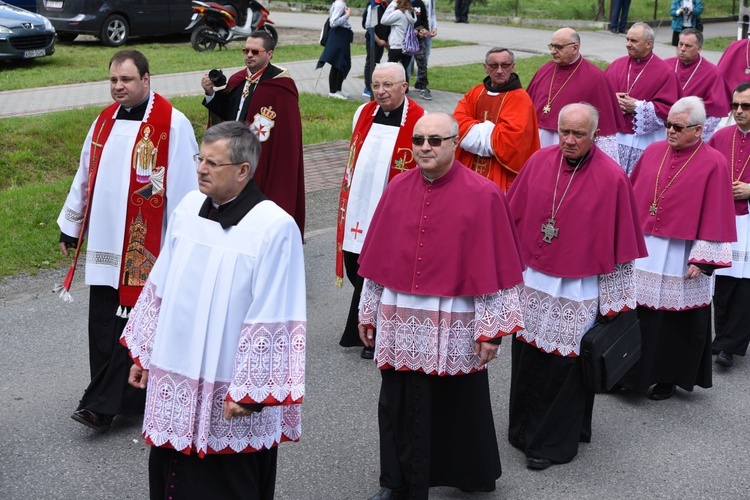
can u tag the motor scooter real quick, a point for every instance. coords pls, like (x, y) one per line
(218, 24)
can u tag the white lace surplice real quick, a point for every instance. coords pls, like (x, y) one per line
(559, 311)
(204, 336)
(648, 128)
(436, 335)
(740, 250)
(661, 276)
(607, 143)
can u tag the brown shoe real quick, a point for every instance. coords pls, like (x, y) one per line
(97, 421)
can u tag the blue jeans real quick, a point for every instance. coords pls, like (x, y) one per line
(619, 15)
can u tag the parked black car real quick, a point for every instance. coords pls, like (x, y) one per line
(24, 35)
(29, 5)
(115, 21)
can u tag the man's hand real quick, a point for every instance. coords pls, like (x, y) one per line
(208, 85)
(232, 409)
(486, 351)
(64, 248)
(627, 103)
(433, 33)
(367, 335)
(740, 190)
(138, 377)
(693, 272)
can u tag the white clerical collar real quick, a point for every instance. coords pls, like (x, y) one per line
(743, 132)
(228, 201)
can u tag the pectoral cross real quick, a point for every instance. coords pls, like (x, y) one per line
(546, 109)
(549, 231)
(652, 209)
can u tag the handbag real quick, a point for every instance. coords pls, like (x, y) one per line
(699, 24)
(324, 32)
(609, 350)
(411, 42)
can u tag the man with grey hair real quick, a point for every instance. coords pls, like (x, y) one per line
(645, 87)
(684, 199)
(699, 77)
(497, 122)
(573, 275)
(218, 334)
(569, 78)
(379, 150)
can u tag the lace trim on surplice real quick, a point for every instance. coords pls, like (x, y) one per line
(711, 252)
(674, 293)
(617, 289)
(498, 314)
(138, 335)
(645, 119)
(369, 301)
(270, 362)
(185, 413)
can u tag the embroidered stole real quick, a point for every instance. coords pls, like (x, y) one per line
(401, 160)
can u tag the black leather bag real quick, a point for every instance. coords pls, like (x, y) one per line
(324, 32)
(609, 350)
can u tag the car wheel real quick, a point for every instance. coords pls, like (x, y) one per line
(271, 31)
(200, 41)
(66, 36)
(115, 31)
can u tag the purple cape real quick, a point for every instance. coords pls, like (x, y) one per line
(450, 238)
(597, 221)
(706, 83)
(657, 84)
(733, 63)
(697, 206)
(588, 84)
(722, 141)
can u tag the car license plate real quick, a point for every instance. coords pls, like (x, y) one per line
(34, 53)
(53, 4)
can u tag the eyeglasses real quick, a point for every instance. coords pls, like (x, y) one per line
(494, 67)
(254, 52)
(211, 164)
(387, 86)
(433, 141)
(744, 105)
(677, 128)
(559, 47)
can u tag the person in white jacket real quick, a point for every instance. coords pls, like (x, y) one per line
(399, 16)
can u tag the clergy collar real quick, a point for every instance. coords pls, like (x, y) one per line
(580, 163)
(513, 83)
(232, 212)
(136, 112)
(685, 65)
(688, 149)
(643, 59)
(570, 65)
(446, 177)
(392, 118)
(743, 132)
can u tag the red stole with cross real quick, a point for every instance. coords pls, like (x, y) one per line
(145, 210)
(401, 161)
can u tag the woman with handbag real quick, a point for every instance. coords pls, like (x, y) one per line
(685, 14)
(337, 51)
(400, 17)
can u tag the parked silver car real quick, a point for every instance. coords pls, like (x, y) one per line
(24, 35)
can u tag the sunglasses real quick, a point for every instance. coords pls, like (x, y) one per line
(254, 52)
(418, 140)
(744, 105)
(677, 128)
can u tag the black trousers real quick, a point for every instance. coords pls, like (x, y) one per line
(335, 80)
(675, 349)
(350, 337)
(550, 410)
(374, 54)
(461, 8)
(234, 476)
(109, 391)
(436, 431)
(731, 315)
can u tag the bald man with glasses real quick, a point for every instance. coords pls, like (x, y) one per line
(570, 78)
(442, 276)
(497, 124)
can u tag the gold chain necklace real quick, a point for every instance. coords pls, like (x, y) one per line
(731, 167)
(630, 87)
(657, 196)
(549, 230)
(548, 107)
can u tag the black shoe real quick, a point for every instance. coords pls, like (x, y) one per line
(97, 421)
(388, 494)
(725, 359)
(535, 463)
(622, 32)
(660, 392)
(368, 353)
